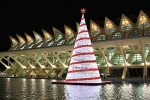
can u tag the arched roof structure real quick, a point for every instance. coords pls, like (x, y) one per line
(126, 29)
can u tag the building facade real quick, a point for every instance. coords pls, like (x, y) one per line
(121, 51)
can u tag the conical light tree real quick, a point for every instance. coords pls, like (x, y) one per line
(83, 67)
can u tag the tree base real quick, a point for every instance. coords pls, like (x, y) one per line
(73, 83)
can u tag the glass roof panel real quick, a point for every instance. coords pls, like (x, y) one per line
(117, 36)
(134, 33)
(125, 25)
(94, 30)
(101, 38)
(69, 33)
(143, 23)
(109, 28)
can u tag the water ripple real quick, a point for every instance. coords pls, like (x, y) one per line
(42, 89)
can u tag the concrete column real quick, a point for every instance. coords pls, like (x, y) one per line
(13, 67)
(62, 63)
(107, 68)
(123, 53)
(20, 65)
(144, 59)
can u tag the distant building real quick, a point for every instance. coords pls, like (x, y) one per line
(122, 51)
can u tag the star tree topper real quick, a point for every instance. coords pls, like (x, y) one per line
(83, 11)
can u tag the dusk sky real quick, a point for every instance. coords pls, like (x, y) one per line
(25, 16)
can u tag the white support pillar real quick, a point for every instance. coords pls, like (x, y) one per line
(13, 67)
(20, 65)
(8, 68)
(144, 60)
(28, 73)
(34, 58)
(107, 63)
(61, 73)
(120, 48)
(113, 57)
(47, 60)
(50, 67)
(20, 73)
(30, 68)
(123, 53)
(62, 63)
(7, 59)
(49, 73)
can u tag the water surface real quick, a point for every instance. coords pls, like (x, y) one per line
(42, 89)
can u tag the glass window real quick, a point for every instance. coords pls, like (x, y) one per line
(61, 42)
(101, 61)
(57, 36)
(136, 59)
(101, 38)
(118, 60)
(148, 33)
(109, 28)
(50, 43)
(72, 41)
(69, 34)
(117, 36)
(125, 25)
(143, 23)
(134, 33)
(94, 30)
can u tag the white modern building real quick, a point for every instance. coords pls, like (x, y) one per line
(122, 51)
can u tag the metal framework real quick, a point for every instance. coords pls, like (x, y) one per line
(116, 47)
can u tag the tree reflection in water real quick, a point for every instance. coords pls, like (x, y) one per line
(42, 89)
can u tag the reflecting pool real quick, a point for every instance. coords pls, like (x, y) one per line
(42, 89)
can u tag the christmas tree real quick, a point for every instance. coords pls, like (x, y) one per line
(83, 67)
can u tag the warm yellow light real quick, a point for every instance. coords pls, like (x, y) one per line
(109, 64)
(46, 35)
(21, 40)
(32, 66)
(125, 22)
(143, 19)
(65, 66)
(109, 25)
(42, 66)
(28, 38)
(13, 40)
(94, 27)
(68, 31)
(142, 63)
(23, 67)
(126, 46)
